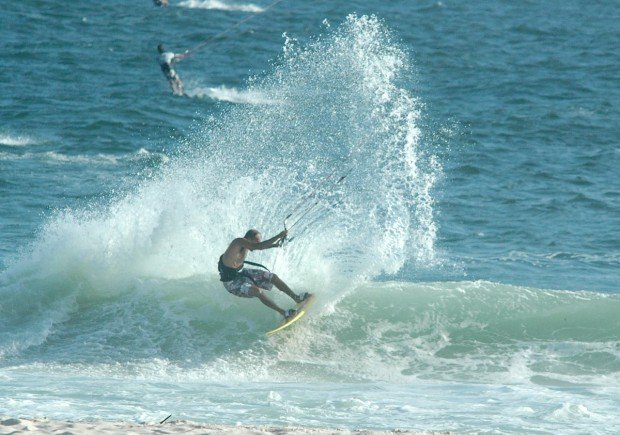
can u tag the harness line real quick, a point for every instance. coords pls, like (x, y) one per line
(312, 194)
(306, 211)
(317, 202)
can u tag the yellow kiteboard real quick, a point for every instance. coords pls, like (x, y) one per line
(302, 308)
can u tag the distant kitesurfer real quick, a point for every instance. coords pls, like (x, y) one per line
(160, 2)
(165, 59)
(250, 283)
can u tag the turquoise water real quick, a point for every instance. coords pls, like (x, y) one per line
(466, 269)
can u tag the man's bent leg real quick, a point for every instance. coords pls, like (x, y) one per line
(280, 285)
(177, 86)
(256, 292)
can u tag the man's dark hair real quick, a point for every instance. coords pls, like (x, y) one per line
(251, 234)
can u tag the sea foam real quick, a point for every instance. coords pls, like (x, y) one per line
(220, 5)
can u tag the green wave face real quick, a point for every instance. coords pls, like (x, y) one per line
(480, 331)
(386, 332)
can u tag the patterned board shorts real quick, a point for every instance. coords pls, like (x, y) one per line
(242, 285)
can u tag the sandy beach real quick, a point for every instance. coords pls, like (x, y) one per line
(9, 425)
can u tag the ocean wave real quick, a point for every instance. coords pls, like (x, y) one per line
(612, 259)
(220, 5)
(16, 141)
(392, 331)
(231, 95)
(96, 159)
(132, 278)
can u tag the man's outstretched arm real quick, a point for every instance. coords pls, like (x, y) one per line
(265, 244)
(180, 56)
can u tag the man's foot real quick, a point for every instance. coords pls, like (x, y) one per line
(302, 297)
(289, 313)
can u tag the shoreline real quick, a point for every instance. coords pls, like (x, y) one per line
(12, 425)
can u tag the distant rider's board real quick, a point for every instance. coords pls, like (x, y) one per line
(302, 308)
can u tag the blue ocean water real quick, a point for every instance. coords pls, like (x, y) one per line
(467, 269)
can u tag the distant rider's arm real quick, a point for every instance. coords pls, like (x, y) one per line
(180, 56)
(266, 244)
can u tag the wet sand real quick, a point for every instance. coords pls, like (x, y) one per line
(10, 425)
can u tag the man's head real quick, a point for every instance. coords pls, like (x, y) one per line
(161, 48)
(254, 236)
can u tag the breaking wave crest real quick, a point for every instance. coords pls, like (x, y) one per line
(134, 277)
